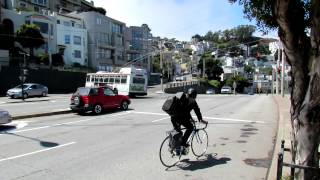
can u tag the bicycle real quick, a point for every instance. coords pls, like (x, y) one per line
(198, 141)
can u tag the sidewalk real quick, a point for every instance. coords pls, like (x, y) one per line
(284, 133)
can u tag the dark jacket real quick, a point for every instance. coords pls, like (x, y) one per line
(185, 112)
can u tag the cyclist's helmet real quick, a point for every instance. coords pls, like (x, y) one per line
(192, 93)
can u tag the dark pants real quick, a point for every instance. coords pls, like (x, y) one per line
(184, 121)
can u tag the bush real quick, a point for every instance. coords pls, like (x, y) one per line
(76, 64)
(215, 83)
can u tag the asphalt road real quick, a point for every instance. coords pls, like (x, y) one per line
(125, 145)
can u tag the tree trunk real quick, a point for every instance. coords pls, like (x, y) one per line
(303, 54)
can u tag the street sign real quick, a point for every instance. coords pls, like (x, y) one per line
(234, 84)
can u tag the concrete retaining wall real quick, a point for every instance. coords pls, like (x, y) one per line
(56, 81)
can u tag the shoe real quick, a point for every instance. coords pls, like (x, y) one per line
(185, 145)
(185, 151)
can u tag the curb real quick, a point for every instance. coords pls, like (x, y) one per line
(40, 114)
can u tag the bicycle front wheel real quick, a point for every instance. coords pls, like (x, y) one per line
(199, 142)
(168, 156)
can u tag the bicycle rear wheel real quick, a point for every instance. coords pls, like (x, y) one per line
(168, 156)
(199, 142)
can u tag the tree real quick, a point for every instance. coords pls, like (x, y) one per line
(241, 81)
(100, 10)
(260, 50)
(298, 25)
(29, 36)
(212, 66)
(249, 69)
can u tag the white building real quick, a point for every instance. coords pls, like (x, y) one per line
(45, 21)
(72, 39)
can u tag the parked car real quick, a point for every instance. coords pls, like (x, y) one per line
(96, 99)
(29, 89)
(226, 90)
(5, 117)
(210, 91)
(181, 78)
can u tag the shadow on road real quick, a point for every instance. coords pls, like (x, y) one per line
(45, 144)
(202, 163)
(28, 101)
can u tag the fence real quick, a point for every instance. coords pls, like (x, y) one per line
(292, 166)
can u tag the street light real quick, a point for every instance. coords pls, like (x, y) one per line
(23, 73)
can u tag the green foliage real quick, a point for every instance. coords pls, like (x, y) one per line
(248, 69)
(241, 81)
(156, 64)
(29, 36)
(267, 70)
(44, 59)
(100, 10)
(260, 50)
(215, 83)
(212, 66)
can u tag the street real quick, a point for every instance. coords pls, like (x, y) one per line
(125, 144)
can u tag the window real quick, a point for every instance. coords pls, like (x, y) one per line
(137, 80)
(117, 80)
(44, 27)
(108, 92)
(99, 21)
(51, 29)
(123, 80)
(23, 5)
(41, 2)
(66, 23)
(67, 39)
(77, 54)
(77, 40)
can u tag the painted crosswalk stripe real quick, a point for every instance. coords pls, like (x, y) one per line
(36, 152)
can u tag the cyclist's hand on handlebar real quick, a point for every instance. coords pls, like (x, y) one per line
(203, 121)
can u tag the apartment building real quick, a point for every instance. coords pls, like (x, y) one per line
(47, 25)
(72, 40)
(62, 6)
(139, 40)
(106, 47)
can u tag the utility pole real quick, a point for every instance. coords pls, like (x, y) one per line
(161, 69)
(277, 73)
(204, 67)
(282, 73)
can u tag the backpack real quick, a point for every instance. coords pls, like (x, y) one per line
(173, 105)
(175, 140)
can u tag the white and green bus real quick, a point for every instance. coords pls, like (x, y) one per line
(129, 81)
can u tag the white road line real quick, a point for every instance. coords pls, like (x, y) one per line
(234, 120)
(72, 122)
(32, 129)
(36, 152)
(157, 120)
(213, 118)
(150, 113)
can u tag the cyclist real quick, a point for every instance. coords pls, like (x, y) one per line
(183, 117)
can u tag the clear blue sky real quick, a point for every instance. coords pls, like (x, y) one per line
(178, 19)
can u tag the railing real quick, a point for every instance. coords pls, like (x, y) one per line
(182, 83)
(292, 166)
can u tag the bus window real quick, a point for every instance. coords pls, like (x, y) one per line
(123, 80)
(105, 79)
(88, 78)
(111, 80)
(137, 80)
(117, 80)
